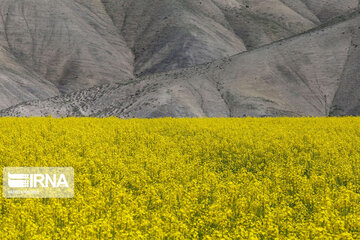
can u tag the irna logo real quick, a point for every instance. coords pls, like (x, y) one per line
(38, 182)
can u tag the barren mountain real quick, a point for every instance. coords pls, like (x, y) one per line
(312, 74)
(171, 34)
(19, 84)
(50, 47)
(69, 44)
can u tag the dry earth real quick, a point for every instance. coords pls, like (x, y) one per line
(53, 47)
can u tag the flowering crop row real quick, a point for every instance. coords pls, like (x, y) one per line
(275, 178)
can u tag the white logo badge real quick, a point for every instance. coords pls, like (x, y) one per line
(38, 182)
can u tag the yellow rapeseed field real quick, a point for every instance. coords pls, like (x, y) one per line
(273, 178)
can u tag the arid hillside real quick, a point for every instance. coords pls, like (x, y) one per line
(312, 74)
(53, 47)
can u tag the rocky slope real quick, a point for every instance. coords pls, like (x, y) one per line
(171, 34)
(18, 84)
(70, 45)
(312, 74)
(51, 47)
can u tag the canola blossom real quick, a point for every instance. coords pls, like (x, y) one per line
(271, 178)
